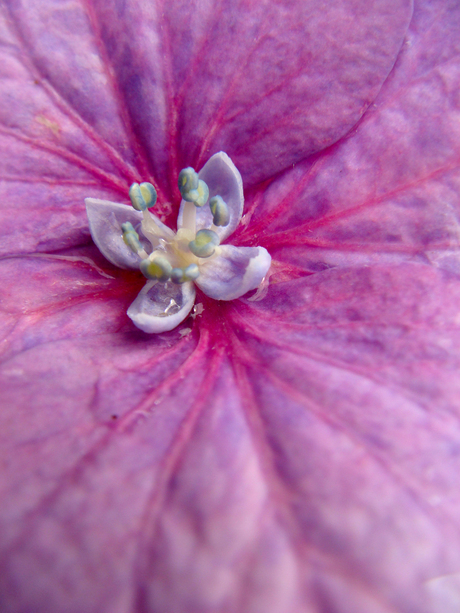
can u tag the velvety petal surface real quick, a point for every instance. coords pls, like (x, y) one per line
(297, 454)
(390, 190)
(96, 95)
(273, 456)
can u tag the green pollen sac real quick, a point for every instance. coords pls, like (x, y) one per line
(219, 210)
(188, 181)
(131, 237)
(143, 196)
(204, 244)
(181, 275)
(191, 188)
(159, 268)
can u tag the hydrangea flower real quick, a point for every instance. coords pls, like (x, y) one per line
(294, 454)
(210, 211)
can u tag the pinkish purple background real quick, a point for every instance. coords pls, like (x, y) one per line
(300, 454)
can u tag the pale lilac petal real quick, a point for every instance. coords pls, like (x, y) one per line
(161, 307)
(233, 271)
(223, 179)
(105, 219)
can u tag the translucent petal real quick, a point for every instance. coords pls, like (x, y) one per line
(105, 219)
(160, 307)
(233, 271)
(223, 179)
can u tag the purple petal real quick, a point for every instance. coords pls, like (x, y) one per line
(297, 454)
(265, 82)
(233, 271)
(389, 192)
(222, 179)
(161, 307)
(312, 458)
(105, 219)
(352, 372)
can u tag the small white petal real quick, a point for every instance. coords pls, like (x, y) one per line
(233, 271)
(223, 179)
(105, 219)
(160, 307)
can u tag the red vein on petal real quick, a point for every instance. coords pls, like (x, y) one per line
(277, 237)
(130, 173)
(264, 335)
(279, 490)
(172, 109)
(138, 149)
(108, 179)
(30, 65)
(108, 430)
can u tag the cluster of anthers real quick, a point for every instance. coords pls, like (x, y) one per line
(211, 208)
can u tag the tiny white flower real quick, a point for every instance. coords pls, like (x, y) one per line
(211, 208)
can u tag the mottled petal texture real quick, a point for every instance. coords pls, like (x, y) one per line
(295, 454)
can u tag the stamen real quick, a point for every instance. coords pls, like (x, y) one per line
(131, 238)
(182, 275)
(143, 196)
(204, 244)
(220, 211)
(188, 181)
(192, 189)
(156, 268)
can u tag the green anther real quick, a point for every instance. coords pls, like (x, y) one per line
(200, 196)
(188, 181)
(219, 210)
(192, 272)
(159, 268)
(181, 275)
(143, 196)
(204, 244)
(131, 237)
(177, 275)
(191, 188)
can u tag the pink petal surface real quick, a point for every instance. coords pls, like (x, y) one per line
(89, 98)
(391, 189)
(294, 455)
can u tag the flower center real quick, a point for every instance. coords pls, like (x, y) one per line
(176, 257)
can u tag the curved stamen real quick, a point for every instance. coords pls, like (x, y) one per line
(131, 238)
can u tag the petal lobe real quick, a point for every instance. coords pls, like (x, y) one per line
(233, 272)
(160, 307)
